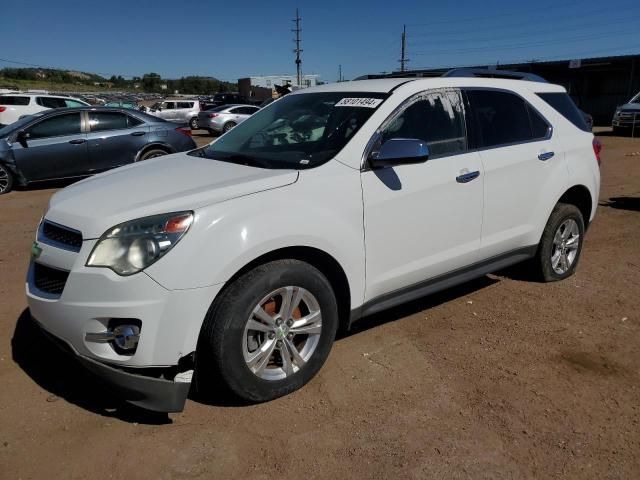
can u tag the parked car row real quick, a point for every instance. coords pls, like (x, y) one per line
(77, 142)
(14, 106)
(626, 119)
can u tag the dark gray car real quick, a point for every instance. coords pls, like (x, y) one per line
(77, 142)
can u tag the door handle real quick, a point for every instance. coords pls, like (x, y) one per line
(544, 156)
(467, 177)
(138, 134)
(77, 141)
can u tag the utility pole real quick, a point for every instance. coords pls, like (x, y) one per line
(403, 60)
(297, 50)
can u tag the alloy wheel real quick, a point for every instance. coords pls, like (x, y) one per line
(565, 246)
(282, 333)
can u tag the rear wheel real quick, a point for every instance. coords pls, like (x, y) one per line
(152, 153)
(6, 179)
(193, 123)
(561, 243)
(268, 333)
(228, 126)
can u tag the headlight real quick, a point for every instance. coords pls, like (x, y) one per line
(132, 246)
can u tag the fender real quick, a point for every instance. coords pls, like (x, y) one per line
(164, 145)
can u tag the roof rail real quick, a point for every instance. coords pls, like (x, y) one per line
(487, 73)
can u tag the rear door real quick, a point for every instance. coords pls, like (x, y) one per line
(114, 139)
(523, 165)
(245, 112)
(184, 111)
(56, 147)
(168, 111)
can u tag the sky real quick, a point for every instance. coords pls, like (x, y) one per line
(229, 40)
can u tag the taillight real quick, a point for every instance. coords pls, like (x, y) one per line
(184, 131)
(2, 109)
(212, 115)
(597, 148)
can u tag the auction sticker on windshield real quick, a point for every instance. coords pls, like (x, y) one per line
(359, 102)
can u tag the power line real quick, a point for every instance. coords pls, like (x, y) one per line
(536, 32)
(543, 9)
(522, 45)
(619, 50)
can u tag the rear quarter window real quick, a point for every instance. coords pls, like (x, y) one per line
(562, 103)
(14, 100)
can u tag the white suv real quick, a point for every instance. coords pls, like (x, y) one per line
(17, 105)
(239, 261)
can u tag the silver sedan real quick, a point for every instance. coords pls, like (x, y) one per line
(224, 118)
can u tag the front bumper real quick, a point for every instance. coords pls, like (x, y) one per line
(152, 393)
(91, 299)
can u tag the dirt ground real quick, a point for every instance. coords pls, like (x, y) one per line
(499, 378)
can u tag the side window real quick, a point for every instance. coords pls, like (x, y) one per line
(435, 117)
(169, 106)
(236, 110)
(539, 126)
(10, 100)
(73, 103)
(51, 102)
(563, 104)
(101, 121)
(502, 118)
(247, 110)
(57, 126)
(185, 104)
(133, 121)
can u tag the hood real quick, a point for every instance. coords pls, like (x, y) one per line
(165, 184)
(629, 106)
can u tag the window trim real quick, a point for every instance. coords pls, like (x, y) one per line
(472, 120)
(364, 165)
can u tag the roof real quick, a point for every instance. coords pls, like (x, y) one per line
(386, 85)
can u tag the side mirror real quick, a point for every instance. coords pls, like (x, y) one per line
(22, 138)
(400, 151)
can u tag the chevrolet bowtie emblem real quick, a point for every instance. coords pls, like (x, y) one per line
(35, 250)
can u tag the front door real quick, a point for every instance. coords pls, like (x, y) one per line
(55, 148)
(423, 220)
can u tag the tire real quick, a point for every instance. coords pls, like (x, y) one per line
(193, 123)
(559, 249)
(6, 179)
(228, 126)
(227, 344)
(152, 153)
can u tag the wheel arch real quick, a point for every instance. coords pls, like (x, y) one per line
(580, 196)
(317, 258)
(164, 146)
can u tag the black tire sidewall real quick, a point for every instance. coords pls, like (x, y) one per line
(221, 340)
(228, 126)
(192, 122)
(9, 178)
(151, 150)
(560, 214)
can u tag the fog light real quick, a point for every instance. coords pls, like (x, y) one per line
(126, 336)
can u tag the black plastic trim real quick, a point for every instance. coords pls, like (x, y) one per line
(442, 282)
(151, 393)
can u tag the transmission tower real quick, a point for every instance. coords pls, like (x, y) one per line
(297, 50)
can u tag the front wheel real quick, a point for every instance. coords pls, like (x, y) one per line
(561, 243)
(6, 179)
(268, 333)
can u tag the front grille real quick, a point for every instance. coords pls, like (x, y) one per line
(64, 236)
(49, 280)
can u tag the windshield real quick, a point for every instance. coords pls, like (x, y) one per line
(635, 99)
(298, 131)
